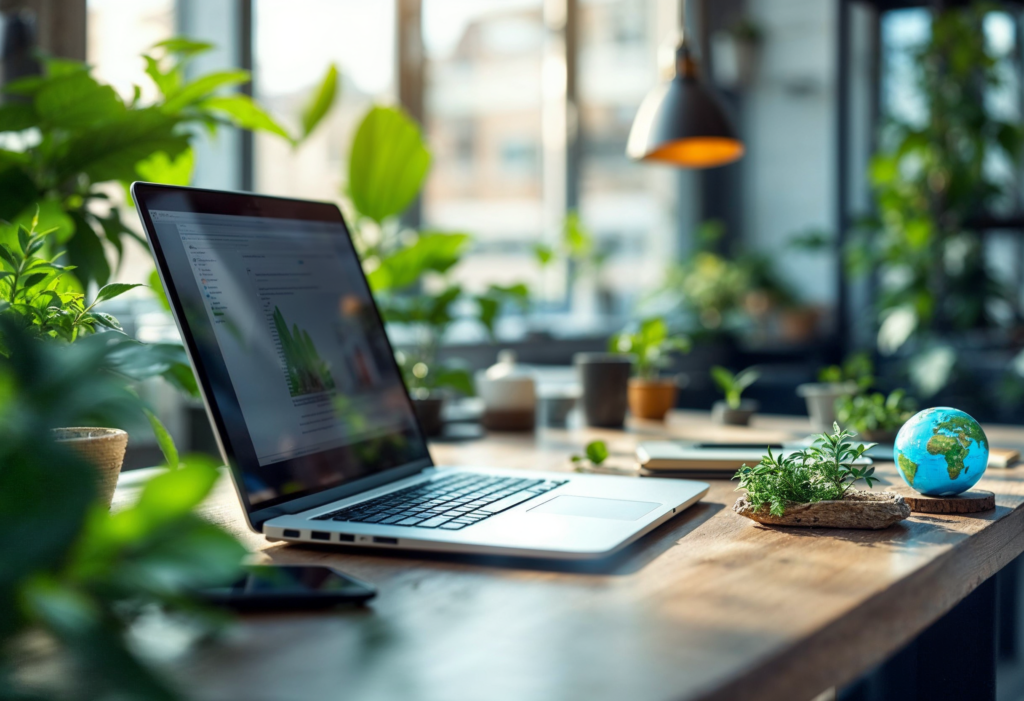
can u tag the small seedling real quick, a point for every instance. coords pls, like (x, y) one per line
(823, 472)
(732, 386)
(596, 453)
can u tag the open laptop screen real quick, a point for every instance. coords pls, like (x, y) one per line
(290, 342)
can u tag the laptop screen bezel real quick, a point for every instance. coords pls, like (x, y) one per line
(246, 204)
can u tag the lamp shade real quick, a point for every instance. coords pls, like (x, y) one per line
(682, 123)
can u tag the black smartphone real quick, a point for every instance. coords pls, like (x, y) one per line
(289, 588)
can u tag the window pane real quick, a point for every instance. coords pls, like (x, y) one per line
(626, 205)
(294, 44)
(483, 122)
(119, 32)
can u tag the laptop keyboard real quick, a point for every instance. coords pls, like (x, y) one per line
(447, 503)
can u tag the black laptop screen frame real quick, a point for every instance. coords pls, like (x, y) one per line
(208, 363)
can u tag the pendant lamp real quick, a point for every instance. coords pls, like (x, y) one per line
(682, 122)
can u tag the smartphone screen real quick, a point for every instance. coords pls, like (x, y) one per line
(289, 587)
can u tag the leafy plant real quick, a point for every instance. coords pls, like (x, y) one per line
(411, 273)
(307, 371)
(732, 386)
(577, 250)
(651, 344)
(38, 300)
(596, 452)
(823, 472)
(74, 574)
(856, 369)
(875, 412)
(65, 135)
(931, 176)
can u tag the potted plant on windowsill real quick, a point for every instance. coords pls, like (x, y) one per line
(651, 345)
(734, 410)
(410, 272)
(834, 382)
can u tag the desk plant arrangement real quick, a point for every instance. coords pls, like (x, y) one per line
(410, 272)
(734, 410)
(814, 488)
(76, 578)
(651, 345)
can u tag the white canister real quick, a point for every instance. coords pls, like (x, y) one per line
(509, 394)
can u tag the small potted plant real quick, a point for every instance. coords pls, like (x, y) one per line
(37, 298)
(650, 396)
(733, 410)
(834, 382)
(814, 488)
(875, 416)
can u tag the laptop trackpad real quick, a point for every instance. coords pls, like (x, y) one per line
(593, 507)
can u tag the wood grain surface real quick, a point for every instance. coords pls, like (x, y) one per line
(709, 606)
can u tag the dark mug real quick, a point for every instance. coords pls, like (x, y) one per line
(604, 378)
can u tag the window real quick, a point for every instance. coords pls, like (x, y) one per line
(294, 43)
(483, 123)
(626, 205)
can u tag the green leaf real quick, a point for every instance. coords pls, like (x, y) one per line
(111, 150)
(321, 102)
(431, 252)
(85, 252)
(17, 116)
(202, 87)
(35, 279)
(160, 168)
(183, 46)
(77, 100)
(597, 452)
(114, 289)
(175, 493)
(387, 164)
(245, 114)
(164, 440)
(8, 256)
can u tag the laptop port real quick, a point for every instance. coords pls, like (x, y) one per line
(346, 538)
(288, 533)
(320, 535)
(385, 541)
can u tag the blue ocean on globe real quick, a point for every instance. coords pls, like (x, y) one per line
(941, 452)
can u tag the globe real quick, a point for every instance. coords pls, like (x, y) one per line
(941, 452)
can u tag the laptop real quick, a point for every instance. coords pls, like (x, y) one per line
(310, 411)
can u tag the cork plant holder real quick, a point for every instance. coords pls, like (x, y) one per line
(103, 448)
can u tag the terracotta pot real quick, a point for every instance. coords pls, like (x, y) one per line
(799, 325)
(651, 399)
(722, 413)
(103, 448)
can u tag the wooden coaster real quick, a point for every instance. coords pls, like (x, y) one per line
(970, 502)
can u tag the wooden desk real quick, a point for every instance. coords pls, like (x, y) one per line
(709, 606)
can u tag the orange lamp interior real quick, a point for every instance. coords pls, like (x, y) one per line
(698, 152)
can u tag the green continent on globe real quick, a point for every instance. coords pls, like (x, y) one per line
(965, 429)
(908, 467)
(952, 449)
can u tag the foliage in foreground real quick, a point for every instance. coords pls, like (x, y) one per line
(65, 136)
(823, 472)
(74, 575)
